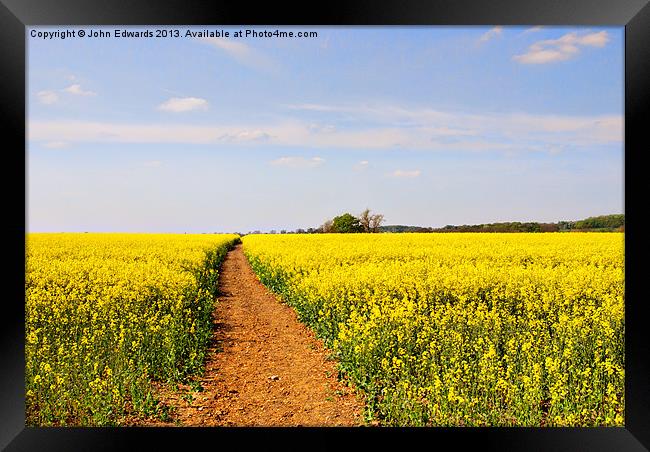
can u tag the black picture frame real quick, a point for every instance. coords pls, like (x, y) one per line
(16, 15)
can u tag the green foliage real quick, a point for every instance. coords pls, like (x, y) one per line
(346, 223)
(403, 228)
(601, 222)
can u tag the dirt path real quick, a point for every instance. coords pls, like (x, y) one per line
(264, 367)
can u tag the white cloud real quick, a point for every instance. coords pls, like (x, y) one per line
(533, 29)
(245, 135)
(298, 162)
(434, 129)
(102, 132)
(383, 113)
(594, 39)
(183, 104)
(316, 107)
(47, 97)
(242, 53)
(56, 144)
(561, 49)
(385, 127)
(445, 131)
(234, 48)
(492, 33)
(322, 128)
(361, 166)
(406, 174)
(78, 91)
(153, 164)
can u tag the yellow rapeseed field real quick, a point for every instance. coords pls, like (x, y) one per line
(106, 314)
(464, 328)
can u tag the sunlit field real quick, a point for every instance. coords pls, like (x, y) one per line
(107, 314)
(464, 329)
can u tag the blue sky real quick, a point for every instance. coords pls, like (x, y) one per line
(428, 125)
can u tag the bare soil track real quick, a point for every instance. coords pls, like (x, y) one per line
(264, 367)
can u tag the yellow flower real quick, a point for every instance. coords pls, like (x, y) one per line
(512, 319)
(90, 302)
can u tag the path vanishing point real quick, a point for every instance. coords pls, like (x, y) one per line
(264, 367)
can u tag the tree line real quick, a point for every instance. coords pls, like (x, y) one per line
(602, 223)
(372, 223)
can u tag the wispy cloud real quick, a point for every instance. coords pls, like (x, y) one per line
(47, 97)
(242, 53)
(384, 127)
(322, 128)
(412, 174)
(361, 166)
(382, 113)
(564, 48)
(490, 34)
(102, 132)
(298, 162)
(52, 96)
(426, 127)
(183, 104)
(153, 164)
(244, 136)
(533, 29)
(56, 144)
(77, 90)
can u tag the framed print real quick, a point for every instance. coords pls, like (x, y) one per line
(349, 222)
